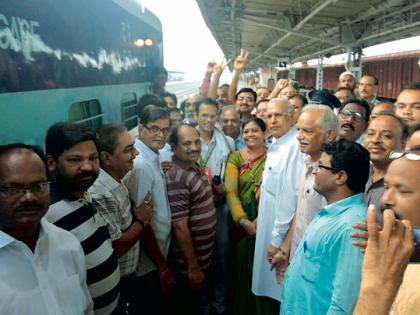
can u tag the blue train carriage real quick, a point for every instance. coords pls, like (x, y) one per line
(73, 60)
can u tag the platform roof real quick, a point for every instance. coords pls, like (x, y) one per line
(296, 30)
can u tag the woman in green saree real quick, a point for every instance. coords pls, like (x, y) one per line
(242, 179)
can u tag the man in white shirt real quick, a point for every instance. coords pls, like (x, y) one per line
(42, 267)
(279, 191)
(317, 125)
(153, 275)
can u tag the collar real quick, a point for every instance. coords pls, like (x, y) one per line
(57, 194)
(145, 150)
(370, 183)
(340, 206)
(290, 134)
(6, 239)
(186, 166)
(310, 165)
(213, 137)
(239, 138)
(107, 180)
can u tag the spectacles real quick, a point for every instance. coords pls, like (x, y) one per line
(331, 169)
(156, 129)
(356, 115)
(40, 190)
(409, 154)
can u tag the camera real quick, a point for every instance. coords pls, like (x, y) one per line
(216, 180)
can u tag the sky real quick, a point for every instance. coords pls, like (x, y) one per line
(189, 44)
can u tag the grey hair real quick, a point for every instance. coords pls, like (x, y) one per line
(290, 109)
(232, 108)
(328, 119)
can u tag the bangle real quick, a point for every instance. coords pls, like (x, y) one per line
(242, 220)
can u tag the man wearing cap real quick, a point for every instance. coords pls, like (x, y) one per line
(324, 98)
(347, 80)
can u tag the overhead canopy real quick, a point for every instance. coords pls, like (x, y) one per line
(297, 30)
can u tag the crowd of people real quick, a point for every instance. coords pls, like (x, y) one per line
(262, 200)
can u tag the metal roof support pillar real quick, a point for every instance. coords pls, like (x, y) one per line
(292, 72)
(354, 61)
(320, 74)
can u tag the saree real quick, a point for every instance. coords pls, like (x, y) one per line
(242, 181)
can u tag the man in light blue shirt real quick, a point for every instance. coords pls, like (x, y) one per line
(154, 278)
(324, 275)
(215, 149)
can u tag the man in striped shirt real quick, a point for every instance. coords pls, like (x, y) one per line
(193, 223)
(125, 222)
(73, 166)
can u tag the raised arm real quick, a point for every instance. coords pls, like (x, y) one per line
(204, 88)
(217, 73)
(238, 66)
(281, 84)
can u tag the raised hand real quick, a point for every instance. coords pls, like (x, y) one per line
(210, 67)
(240, 61)
(219, 68)
(282, 83)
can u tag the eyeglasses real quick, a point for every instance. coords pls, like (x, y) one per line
(409, 154)
(356, 115)
(331, 169)
(40, 190)
(156, 129)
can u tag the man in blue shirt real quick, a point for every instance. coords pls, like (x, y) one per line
(324, 275)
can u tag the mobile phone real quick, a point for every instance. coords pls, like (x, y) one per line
(415, 258)
(216, 180)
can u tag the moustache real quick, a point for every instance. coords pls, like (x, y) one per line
(377, 146)
(85, 174)
(30, 207)
(396, 212)
(348, 125)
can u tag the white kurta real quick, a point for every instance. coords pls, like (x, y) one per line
(279, 191)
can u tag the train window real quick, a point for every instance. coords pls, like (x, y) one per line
(129, 110)
(87, 112)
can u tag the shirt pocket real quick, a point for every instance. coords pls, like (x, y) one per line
(310, 268)
(272, 181)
